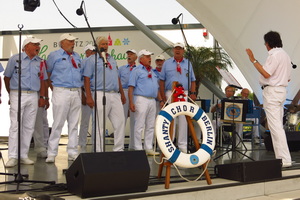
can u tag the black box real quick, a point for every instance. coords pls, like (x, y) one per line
(250, 171)
(292, 137)
(107, 173)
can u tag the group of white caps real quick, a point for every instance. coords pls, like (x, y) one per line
(69, 36)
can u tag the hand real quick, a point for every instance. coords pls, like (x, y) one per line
(161, 103)
(132, 107)
(123, 99)
(47, 105)
(250, 54)
(90, 102)
(41, 102)
(193, 97)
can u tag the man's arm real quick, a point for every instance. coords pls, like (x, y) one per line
(130, 97)
(87, 86)
(257, 65)
(123, 98)
(42, 98)
(162, 90)
(193, 90)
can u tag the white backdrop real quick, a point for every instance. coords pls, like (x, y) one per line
(241, 24)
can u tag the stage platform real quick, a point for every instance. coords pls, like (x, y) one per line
(287, 187)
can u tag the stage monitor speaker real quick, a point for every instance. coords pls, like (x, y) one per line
(250, 171)
(293, 140)
(106, 173)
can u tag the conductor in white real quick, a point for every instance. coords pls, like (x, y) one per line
(275, 75)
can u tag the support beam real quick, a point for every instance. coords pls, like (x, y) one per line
(137, 23)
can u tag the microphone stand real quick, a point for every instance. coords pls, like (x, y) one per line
(189, 66)
(95, 93)
(19, 177)
(104, 103)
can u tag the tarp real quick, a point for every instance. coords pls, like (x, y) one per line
(241, 24)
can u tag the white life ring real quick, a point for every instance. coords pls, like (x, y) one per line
(163, 122)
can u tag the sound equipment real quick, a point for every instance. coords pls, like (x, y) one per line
(293, 140)
(106, 173)
(250, 171)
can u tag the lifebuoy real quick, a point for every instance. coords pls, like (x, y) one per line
(163, 122)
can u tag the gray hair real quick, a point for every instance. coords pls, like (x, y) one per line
(100, 38)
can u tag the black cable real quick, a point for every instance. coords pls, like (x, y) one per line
(63, 15)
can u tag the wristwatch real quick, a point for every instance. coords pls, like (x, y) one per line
(43, 97)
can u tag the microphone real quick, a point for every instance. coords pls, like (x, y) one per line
(79, 11)
(293, 65)
(103, 55)
(176, 20)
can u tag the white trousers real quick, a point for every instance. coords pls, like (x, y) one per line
(41, 131)
(114, 112)
(182, 128)
(66, 106)
(144, 120)
(86, 113)
(29, 106)
(131, 116)
(274, 97)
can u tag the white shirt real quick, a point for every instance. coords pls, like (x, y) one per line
(278, 65)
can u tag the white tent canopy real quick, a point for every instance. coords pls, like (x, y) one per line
(238, 25)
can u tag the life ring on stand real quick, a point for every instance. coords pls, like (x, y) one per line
(174, 155)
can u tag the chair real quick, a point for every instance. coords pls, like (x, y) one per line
(224, 127)
(255, 115)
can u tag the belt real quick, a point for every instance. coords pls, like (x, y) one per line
(71, 89)
(110, 91)
(25, 91)
(145, 97)
(264, 86)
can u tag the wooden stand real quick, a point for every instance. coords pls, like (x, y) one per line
(169, 164)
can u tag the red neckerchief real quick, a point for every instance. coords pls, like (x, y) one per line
(108, 63)
(42, 66)
(72, 59)
(158, 69)
(149, 70)
(178, 64)
(131, 66)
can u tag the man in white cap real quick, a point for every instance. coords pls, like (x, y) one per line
(142, 91)
(64, 67)
(159, 61)
(178, 69)
(124, 73)
(86, 111)
(113, 92)
(33, 81)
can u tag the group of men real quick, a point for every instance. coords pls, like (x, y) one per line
(134, 90)
(69, 77)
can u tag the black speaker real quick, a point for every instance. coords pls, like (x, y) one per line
(250, 171)
(293, 140)
(106, 173)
